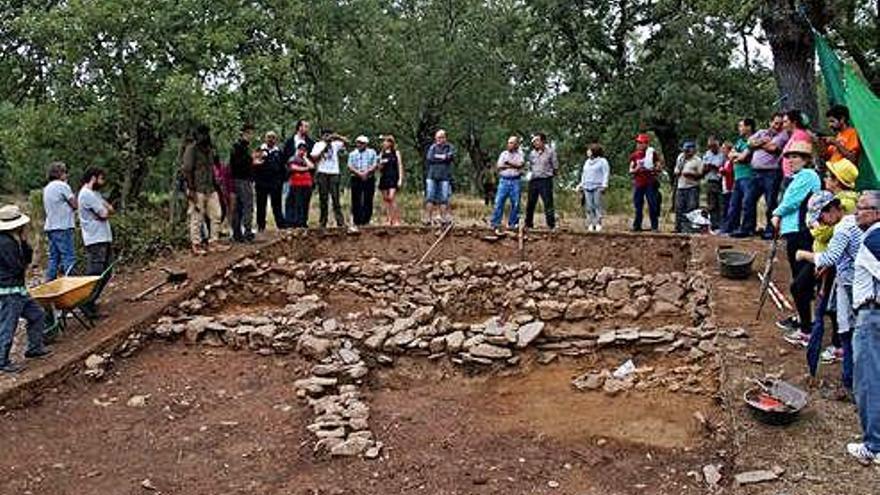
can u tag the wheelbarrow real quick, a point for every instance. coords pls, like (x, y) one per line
(68, 295)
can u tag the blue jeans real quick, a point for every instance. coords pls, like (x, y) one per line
(13, 307)
(764, 183)
(437, 192)
(649, 193)
(866, 375)
(508, 188)
(742, 188)
(61, 253)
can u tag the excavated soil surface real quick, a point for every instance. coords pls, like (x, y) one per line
(224, 421)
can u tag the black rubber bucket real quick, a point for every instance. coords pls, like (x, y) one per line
(734, 264)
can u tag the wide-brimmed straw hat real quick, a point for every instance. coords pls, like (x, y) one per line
(845, 171)
(799, 148)
(12, 218)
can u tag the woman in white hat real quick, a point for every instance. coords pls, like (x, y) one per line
(15, 256)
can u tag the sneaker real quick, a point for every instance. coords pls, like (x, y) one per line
(831, 354)
(498, 231)
(797, 338)
(12, 368)
(789, 324)
(598, 228)
(38, 354)
(862, 454)
(739, 234)
(353, 230)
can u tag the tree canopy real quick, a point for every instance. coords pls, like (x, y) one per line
(116, 84)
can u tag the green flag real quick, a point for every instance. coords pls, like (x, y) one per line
(832, 70)
(864, 109)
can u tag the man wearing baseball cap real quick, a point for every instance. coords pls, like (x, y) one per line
(15, 302)
(362, 163)
(644, 163)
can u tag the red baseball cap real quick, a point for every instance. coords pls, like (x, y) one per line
(643, 138)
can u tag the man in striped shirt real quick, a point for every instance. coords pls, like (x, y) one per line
(866, 337)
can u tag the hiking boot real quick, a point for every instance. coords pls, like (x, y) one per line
(831, 354)
(789, 324)
(12, 368)
(797, 338)
(38, 354)
(862, 454)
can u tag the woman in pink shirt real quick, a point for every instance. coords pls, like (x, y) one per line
(795, 122)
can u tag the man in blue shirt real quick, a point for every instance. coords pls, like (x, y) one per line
(362, 163)
(438, 182)
(866, 337)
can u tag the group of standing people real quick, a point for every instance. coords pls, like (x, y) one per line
(285, 178)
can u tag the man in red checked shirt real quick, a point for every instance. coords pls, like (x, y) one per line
(645, 164)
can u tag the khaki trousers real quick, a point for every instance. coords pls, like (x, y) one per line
(205, 208)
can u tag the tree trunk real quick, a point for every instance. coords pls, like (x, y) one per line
(479, 158)
(794, 56)
(667, 133)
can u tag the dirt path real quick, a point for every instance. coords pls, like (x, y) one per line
(812, 451)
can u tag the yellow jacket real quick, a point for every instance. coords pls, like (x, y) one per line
(822, 234)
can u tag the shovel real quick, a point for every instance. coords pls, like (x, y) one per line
(768, 271)
(172, 277)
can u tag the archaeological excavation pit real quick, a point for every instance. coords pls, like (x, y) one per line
(579, 364)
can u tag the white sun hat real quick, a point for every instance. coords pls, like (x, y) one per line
(12, 218)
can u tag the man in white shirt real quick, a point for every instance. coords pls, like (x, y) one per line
(510, 166)
(94, 219)
(59, 204)
(326, 154)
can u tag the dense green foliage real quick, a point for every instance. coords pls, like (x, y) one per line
(115, 84)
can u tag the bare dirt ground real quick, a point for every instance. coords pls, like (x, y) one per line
(220, 421)
(812, 450)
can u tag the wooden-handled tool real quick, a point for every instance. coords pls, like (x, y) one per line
(172, 277)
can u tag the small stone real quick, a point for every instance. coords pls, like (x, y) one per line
(607, 338)
(374, 451)
(314, 347)
(712, 474)
(589, 381)
(455, 340)
(547, 357)
(553, 484)
(354, 445)
(148, 485)
(618, 290)
(490, 351)
(527, 333)
(752, 477)
(296, 287)
(551, 310)
(137, 401)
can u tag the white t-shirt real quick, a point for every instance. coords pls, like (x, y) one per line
(56, 203)
(329, 164)
(91, 208)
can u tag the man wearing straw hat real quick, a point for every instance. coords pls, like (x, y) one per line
(15, 255)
